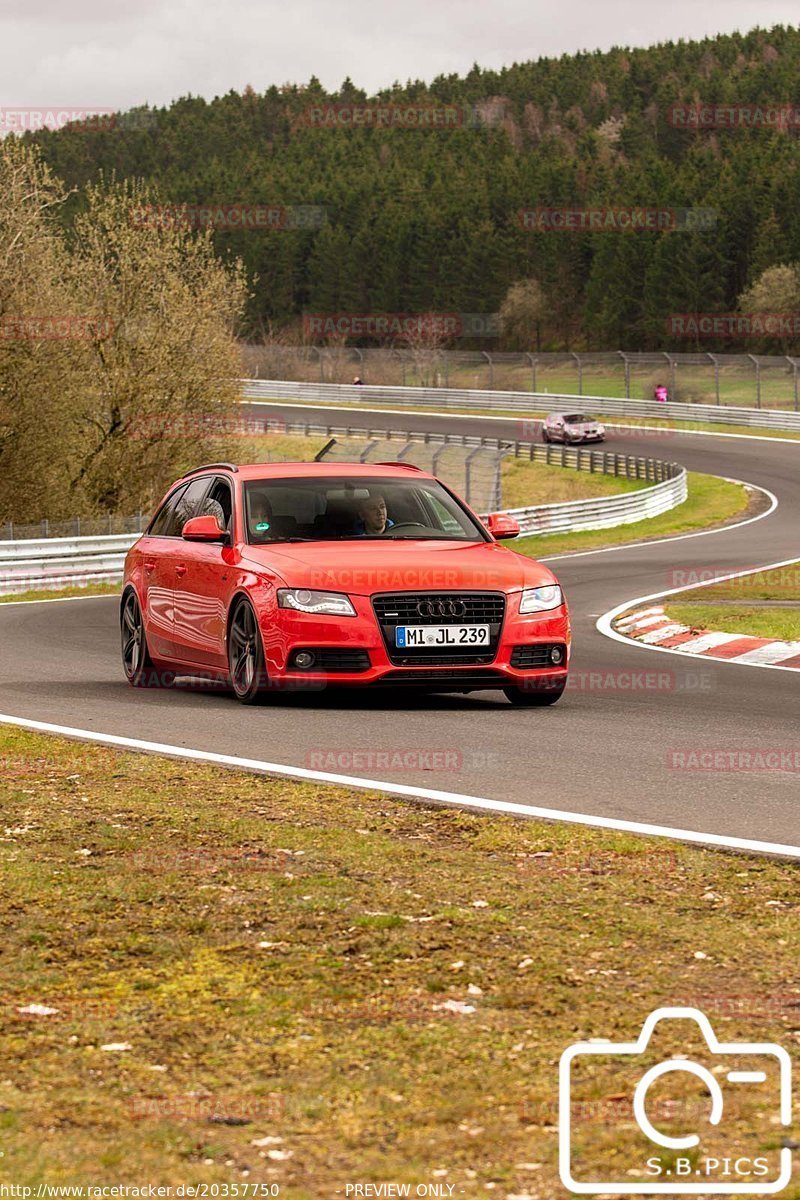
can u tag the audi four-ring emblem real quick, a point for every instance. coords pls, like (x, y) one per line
(441, 608)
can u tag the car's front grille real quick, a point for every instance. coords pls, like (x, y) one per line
(333, 659)
(440, 608)
(471, 608)
(536, 654)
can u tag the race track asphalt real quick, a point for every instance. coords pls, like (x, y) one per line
(603, 750)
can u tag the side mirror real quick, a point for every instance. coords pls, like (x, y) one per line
(502, 526)
(204, 529)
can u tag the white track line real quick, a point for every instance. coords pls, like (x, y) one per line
(604, 624)
(454, 799)
(426, 412)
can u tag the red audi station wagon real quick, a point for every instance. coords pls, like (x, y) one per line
(300, 575)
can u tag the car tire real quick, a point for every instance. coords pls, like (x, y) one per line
(140, 670)
(246, 666)
(524, 698)
(546, 437)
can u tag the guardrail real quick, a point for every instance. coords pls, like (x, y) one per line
(49, 563)
(604, 512)
(522, 402)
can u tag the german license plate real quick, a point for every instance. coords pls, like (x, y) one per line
(410, 636)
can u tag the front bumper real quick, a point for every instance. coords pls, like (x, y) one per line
(360, 641)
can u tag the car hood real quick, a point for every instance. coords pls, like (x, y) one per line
(364, 567)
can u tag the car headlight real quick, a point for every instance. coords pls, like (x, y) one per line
(331, 604)
(540, 599)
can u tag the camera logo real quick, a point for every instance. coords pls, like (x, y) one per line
(704, 1124)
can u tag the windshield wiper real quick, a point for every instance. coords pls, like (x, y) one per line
(283, 541)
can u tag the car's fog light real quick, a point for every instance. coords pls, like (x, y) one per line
(556, 655)
(304, 659)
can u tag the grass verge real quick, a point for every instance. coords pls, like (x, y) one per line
(780, 623)
(310, 987)
(93, 589)
(711, 502)
(716, 607)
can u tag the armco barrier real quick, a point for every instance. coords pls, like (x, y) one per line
(49, 563)
(604, 512)
(521, 402)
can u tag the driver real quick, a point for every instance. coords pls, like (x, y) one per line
(260, 514)
(372, 518)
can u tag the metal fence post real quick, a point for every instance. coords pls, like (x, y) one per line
(488, 358)
(626, 361)
(715, 361)
(532, 360)
(757, 366)
(579, 365)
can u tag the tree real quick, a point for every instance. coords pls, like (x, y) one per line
(777, 290)
(118, 351)
(162, 387)
(521, 314)
(40, 371)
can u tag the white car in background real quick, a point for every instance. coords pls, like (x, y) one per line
(572, 428)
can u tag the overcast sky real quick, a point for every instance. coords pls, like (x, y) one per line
(116, 54)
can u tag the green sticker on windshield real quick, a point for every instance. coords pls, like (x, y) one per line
(262, 526)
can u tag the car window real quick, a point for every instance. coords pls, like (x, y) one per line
(327, 508)
(447, 521)
(191, 504)
(220, 494)
(163, 517)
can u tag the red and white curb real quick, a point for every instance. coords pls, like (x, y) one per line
(652, 627)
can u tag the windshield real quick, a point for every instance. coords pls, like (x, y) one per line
(579, 419)
(327, 508)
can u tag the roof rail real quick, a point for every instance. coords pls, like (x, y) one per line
(409, 466)
(220, 466)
